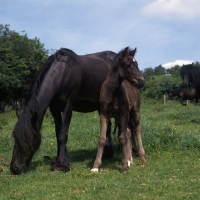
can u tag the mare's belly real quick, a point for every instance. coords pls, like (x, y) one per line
(85, 106)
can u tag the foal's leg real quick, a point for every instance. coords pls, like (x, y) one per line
(108, 150)
(123, 121)
(133, 135)
(101, 143)
(129, 147)
(138, 130)
(62, 160)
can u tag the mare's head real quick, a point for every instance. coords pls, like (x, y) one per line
(27, 141)
(128, 67)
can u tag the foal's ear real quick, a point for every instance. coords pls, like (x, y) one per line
(133, 52)
(125, 52)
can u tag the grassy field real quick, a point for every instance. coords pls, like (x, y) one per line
(171, 140)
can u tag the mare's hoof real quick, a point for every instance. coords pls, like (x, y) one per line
(58, 167)
(94, 170)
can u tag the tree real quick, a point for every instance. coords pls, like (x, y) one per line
(159, 70)
(20, 60)
(174, 70)
(148, 72)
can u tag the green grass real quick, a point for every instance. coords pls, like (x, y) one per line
(171, 141)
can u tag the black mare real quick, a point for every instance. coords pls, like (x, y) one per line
(184, 94)
(191, 74)
(67, 82)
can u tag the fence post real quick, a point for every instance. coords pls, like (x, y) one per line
(164, 99)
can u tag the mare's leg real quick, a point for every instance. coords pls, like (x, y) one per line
(138, 130)
(56, 113)
(62, 160)
(182, 101)
(101, 143)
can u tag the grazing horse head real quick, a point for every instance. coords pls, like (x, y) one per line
(27, 141)
(128, 67)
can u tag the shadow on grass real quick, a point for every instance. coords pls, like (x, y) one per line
(86, 156)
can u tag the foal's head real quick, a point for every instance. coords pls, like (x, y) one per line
(128, 67)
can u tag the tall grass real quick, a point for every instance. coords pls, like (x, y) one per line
(171, 141)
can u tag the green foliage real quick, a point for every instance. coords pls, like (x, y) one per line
(156, 86)
(20, 59)
(159, 81)
(159, 70)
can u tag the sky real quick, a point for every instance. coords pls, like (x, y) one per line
(165, 32)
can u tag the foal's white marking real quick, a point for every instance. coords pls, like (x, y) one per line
(130, 162)
(133, 60)
(94, 170)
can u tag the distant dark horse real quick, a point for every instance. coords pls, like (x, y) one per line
(191, 74)
(65, 83)
(184, 94)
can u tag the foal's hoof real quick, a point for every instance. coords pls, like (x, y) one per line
(94, 170)
(130, 162)
(124, 170)
(58, 167)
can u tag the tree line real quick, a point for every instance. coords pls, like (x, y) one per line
(22, 57)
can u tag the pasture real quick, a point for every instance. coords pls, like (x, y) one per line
(171, 141)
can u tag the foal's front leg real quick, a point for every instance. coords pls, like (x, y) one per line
(101, 143)
(141, 151)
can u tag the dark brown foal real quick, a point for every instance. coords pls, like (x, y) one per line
(120, 99)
